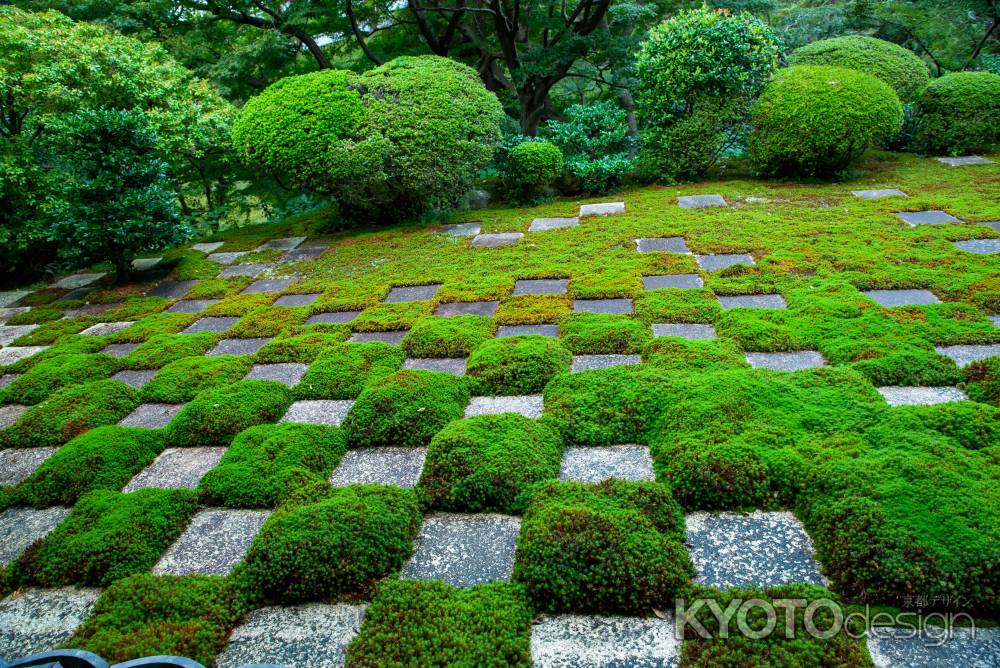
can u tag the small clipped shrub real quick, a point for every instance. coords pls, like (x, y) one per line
(182, 380)
(516, 364)
(215, 415)
(576, 540)
(267, 464)
(428, 622)
(486, 463)
(57, 372)
(815, 120)
(959, 114)
(604, 334)
(447, 337)
(343, 370)
(597, 149)
(405, 409)
(534, 166)
(338, 547)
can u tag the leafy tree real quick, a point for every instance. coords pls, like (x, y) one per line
(595, 142)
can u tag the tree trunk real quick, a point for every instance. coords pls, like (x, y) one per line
(628, 104)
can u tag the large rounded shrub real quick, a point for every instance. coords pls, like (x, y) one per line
(814, 120)
(902, 69)
(959, 114)
(534, 167)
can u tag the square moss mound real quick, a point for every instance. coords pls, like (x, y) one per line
(216, 414)
(108, 536)
(516, 364)
(602, 334)
(57, 372)
(103, 458)
(267, 464)
(675, 305)
(146, 615)
(611, 547)
(432, 623)
(70, 412)
(339, 547)
(182, 380)
(486, 463)
(673, 354)
(343, 370)
(162, 349)
(447, 337)
(303, 348)
(405, 409)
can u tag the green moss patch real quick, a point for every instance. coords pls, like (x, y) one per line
(216, 414)
(599, 334)
(304, 348)
(162, 349)
(674, 354)
(181, 381)
(516, 364)
(343, 370)
(448, 337)
(57, 372)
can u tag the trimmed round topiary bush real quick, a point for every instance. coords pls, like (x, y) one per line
(959, 114)
(815, 120)
(534, 167)
(517, 364)
(899, 67)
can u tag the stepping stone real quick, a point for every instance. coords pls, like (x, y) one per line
(37, 620)
(151, 416)
(11, 413)
(965, 355)
(16, 464)
(545, 224)
(682, 281)
(12, 297)
(134, 378)
(211, 324)
(598, 641)
(21, 527)
(519, 330)
(453, 365)
(878, 194)
(380, 466)
(528, 405)
(145, 263)
(602, 209)
(74, 295)
(336, 317)
(897, 395)
(177, 468)
(462, 229)
(893, 647)
(893, 298)
(724, 261)
(684, 331)
(287, 373)
(786, 361)
(319, 411)
(6, 313)
(214, 542)
(994, 225)
(78, 281)
(8, 378)
(119, 349)
(226, 258)
(496, 240)
(192, 305)
(12, 354)
(965, 161)
(596, 464)
(758, 549)
(313, 635)
(979, 246)
(297, 300)
(995, 319)
(107, 328)
(303, 254)
(914, 218)
(286, 244)
(88, 309)
(268, 285)
(172, 289)
(241, 270)
(394, 337)
(541, 286)
(453, 309)
(208, 247)
(591, 362)
(412, 293)
(602, 306)
(700, 201)
(10, 333)
(237, 347)
(464, 549)
(661, 244)
(752, 301)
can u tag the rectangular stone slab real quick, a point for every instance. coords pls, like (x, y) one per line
(151, 416)
(462, 229)
(207, 247)
(172, 289)
(78, 281)
(694, 332)
(661, 244)
(496, 240)
(22, 527)
(119, 349)
(380, 466)
(979, 246)
(211, 324)
(913, 218)
(680, 281)
(319, 411)
(464, 549)
(11, 413)
(878, 194)
(394, 337)
(452, 309)
(965, 161)
(546, 224)
(700, 201)
(786, 361)
(214, 542)
(287, 244)
(37, 620)
(412, 293)
(244, 270)
(287, 373)
(303, 254)
(297, 300)
(965, 355)
(177, 468)
(541, 286)
(592, 641)
(107, 328)
(724, 261)
(613, 306)
(591, 362)
(602, 209)
(134, 378)
(453, 365)
(520, 330)
(894, 647)
(11, 333)
(528, 405)
(752, 301)
(238, 346)
(335, 317)
(12, 354)
(896, 395)
(893, 298)
(192, 305)
(227, 258)
(269, 285)
(16, 464)
(596, 464)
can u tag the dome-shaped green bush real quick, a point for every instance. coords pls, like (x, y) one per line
(534, 166)
(959, 114)
(815, 120)
(902, 69)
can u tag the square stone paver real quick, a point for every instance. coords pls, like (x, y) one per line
(214, 324)
(412, 293)
(463, 549)
(683, 281)
(237, 346)
(78, 281)
(878, 194)
(6, 313)
(286, 244)
(269, 285)
(107, 328)
(723, 261)
(172, 289)
(21, 527)
(227, 258)
(380, 466)
(462, 229)
(497, 239)
(16, 464)
(214, 542)
(979, 246)
(8, 378)
(598, 641)
(602, 209)
(74, 295)
(394, 337)
(602, 306)
(287, 373)
(119, 349)
(752, 301)
(745, 550)
(596, 464)
(520, 330)
(12, 354)
(591, 362)
(244, 270)
(89, 309)
(38, 620)
(899, 395)
(135, 378)
(314, 635)
(151, 416)
(545, 224)
(893, 298)
(319, 411)
(700, 201)
(304, 254)
(682, 330)
(335, 317)
(207, 247)
(452, 309)
(453, 365)
(934, 647)
(177, 468)
(528, 405)
(10, 333)
(786, 361)
(914, 218)
(965, 161)
(297, 300)
(192, 305)
(11, 297)
(995, 319)
(965, 355)
(11, 413)
(661, 244)
(541, 286)
(145, 263)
